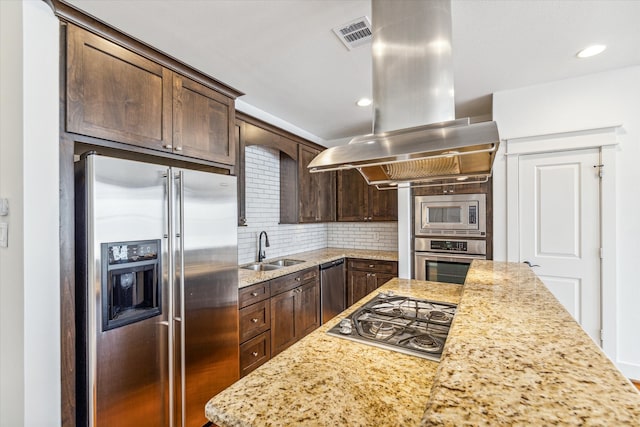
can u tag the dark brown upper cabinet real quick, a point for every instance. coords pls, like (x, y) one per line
(358, 201)
(115, 94)
(203, 122)
(316, 191)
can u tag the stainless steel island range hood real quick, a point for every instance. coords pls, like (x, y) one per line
(415, 137)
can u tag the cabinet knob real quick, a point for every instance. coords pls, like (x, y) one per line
(254, 320)
(297, 279)
(371, 265)
(369, 218)
(254, 354)
(254, 294)
(178, 148)
(168, 146)
(373, 274)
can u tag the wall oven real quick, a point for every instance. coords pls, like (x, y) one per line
(450, 215)
(440, 260)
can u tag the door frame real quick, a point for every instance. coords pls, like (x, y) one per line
(605, 139)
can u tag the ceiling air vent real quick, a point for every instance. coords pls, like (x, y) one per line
(355, 33)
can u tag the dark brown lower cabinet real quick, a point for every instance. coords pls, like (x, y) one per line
(365, 276)
(275, 314)
(294, 314)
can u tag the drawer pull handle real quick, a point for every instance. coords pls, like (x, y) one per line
(254, 294)
(297, 279)
(178, 148)
(254, 320)
(254, 354)
(370, 265)
(168, 146)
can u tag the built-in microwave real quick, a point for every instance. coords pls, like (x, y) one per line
(451, 215)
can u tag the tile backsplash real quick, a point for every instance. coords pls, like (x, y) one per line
(363, 235)
(262, 192)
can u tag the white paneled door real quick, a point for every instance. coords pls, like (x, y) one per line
(559, 225)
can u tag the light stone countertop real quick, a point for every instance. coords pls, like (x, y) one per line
(329, 381)
(514, 356)
(311, 258)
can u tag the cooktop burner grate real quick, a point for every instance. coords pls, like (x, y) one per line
(404, 324)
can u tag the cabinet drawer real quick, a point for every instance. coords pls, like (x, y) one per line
(374, 266)
(293, 280)
(254, 353)
(253, 294)
(254, 319)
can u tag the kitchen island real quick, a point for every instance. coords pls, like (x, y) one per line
(514, 356)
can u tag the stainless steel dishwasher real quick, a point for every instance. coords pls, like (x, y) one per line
(333, 290)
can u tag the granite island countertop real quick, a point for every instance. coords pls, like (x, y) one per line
(326, 380)
(311, 258)
(501, 365)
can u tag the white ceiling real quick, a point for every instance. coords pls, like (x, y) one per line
(283, 55)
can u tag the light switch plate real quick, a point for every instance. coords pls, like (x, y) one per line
(4, 235)
(4, 207)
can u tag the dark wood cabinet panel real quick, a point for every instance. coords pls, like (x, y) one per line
(295, 308)
(316, 191)
(365, 276)
(254, 320)
(255, 352)
(352, 195)
(203, 122)
(356, 286)
(115, 94)
(308, 184)
(307, 309)
(358, 201)
(383, 204)
(283, 332)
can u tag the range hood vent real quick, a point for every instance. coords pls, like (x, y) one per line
(354, 33)
(415, 138)
(435, 154)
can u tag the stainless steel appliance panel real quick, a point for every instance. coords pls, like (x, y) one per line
(128, 369)
(158, 371)
(447, 261)
(450, 215)
(333, 290)
(207, 304)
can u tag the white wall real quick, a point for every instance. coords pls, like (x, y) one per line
(588, 102)
(29, 267)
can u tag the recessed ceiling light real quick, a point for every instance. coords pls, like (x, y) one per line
(363, 102)
(591, 51)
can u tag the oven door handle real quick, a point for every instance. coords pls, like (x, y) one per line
(437, 256)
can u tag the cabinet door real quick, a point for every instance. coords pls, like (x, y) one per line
(307, 308)
(326, 190)
(383, 204)
(115, 94)
(203, 122)
(283, 332)
(307, 186)
(356, 286)
(353, 195)
(380, 279)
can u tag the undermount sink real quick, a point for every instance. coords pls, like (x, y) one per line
(261, 267)
(285, 262)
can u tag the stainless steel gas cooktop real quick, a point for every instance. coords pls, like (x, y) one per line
(408, 325)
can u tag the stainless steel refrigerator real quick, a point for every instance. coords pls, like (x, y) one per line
(156, 292)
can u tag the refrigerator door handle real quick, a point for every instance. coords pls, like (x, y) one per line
(180, 236)
(170, 296)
